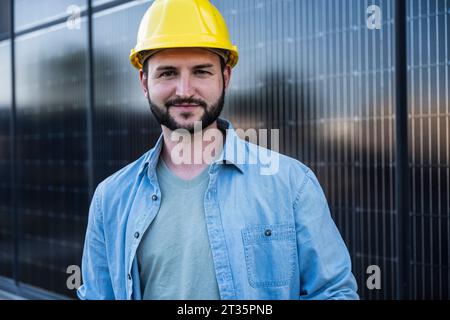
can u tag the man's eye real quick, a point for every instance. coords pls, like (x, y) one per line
(167, 74)
(202, 72)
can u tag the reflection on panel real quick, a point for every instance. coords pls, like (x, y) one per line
(429, 57)
(315, 71)
(6, 218)
(51, 145)
(29, 13)
(124, 126)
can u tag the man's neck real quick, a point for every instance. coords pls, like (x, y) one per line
(195, 149)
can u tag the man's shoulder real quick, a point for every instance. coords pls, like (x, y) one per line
(289, 177)
(283, 165)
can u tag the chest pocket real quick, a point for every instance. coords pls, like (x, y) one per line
(270, 254)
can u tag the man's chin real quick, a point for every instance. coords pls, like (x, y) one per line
(189, 126)
(186, 122)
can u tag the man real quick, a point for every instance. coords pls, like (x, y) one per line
(189, 220)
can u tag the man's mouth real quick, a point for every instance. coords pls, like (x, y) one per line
(185, 105)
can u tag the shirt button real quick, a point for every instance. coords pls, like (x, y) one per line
(268, 232)
(154, 197)
(129, 276)
(136, 235)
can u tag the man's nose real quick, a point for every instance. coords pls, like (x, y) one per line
(184, 86)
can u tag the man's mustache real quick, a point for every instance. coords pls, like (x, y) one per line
(173, 102)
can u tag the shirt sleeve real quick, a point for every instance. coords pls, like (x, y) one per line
(324, 261)
(96, 278)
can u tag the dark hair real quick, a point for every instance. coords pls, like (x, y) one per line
(145, 66)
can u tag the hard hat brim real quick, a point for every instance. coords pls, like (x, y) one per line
(137, 63)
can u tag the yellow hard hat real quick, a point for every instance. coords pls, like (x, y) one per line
(182, 24)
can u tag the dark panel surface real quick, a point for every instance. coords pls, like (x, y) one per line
(51, 151)
(428, 83)
(6, 210)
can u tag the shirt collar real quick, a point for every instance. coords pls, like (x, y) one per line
(232, 143)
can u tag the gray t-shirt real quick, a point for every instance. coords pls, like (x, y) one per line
(174, 256)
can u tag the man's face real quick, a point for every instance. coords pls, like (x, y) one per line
(184, 86)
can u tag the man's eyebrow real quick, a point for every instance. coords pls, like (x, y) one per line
(202, 66)
(162, 68)
(171, 68)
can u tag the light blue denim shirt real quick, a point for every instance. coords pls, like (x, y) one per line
(271, 235)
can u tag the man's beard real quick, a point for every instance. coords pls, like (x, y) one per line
(209, 115)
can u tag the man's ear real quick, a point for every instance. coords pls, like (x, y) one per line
(226, 75)
(143, 79)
